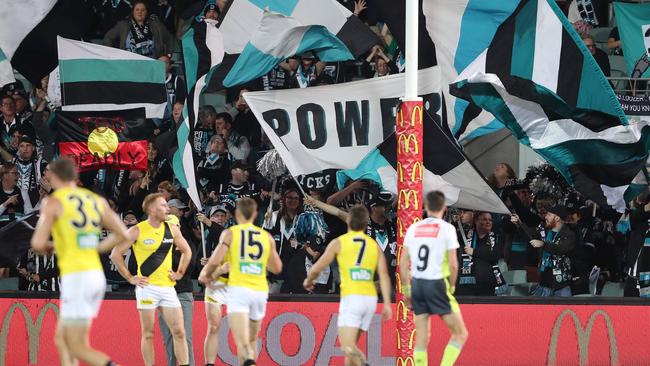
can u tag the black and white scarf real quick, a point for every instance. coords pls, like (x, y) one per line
(141, 41)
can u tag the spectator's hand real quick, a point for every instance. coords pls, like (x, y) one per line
(646, 208)
(294, 243)
(358, 185)
(40, 93)
(386, 312)
(203, 261)
(12, 200)
(308, 284)
(514, 218)
(469, 250)
(537, 243)
(156, 131)
(35, 278)
(139, 281)
(174, 276)
(145, 181)
(213, 196)
(45, 185)
(359, 6)
(202, 218)
(23, 272)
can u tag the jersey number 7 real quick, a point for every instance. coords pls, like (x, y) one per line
(361, 251)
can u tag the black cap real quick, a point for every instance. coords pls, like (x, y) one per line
(211, 7)
(559, 210)
(27, 138)
(15, 88)
(239, 165)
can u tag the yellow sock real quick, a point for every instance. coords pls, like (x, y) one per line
(452, 351)
(420, 357)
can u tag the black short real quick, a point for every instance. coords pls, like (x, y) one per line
(432, 297)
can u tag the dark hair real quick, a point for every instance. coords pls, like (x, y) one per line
(207, 111)
(6, 168)
(434, 201)
(247, 207)
(358, 218)
(143, 2)
(65, 169)
(283, 208)
(7, 97)
(226, 117)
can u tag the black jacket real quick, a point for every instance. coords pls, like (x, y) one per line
(556, 264)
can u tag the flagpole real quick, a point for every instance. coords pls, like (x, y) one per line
(408, 131)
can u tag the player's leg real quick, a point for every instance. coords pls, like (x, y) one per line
(238, 322)
(456, 325)
(76, 338)
(147, 320)
(64, 353)
(213, 314)
(168, 340)
(348, 337)
(174, 319)
(422, 333)
(254, 330)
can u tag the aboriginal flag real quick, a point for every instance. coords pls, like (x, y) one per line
(104, 139)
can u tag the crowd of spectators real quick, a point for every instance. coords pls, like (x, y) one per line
(557, 239)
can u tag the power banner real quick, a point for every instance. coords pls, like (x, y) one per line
(104, 139)
(304, 333)
(336, 126)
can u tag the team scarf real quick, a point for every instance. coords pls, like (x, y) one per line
(140, 35)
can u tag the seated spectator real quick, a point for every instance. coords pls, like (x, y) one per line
(557, 243)
(238, 187)
(599, 55)
(614, 42)
(31, 168)
(160, 169)
(40, 271)
(141, 33)
(13, 205)
(214, 223)
(10, 121)
(238, 145)
(214, 169)
(17, 91)
(204, 130)
(245, 122)
(383, 65)
(479, 256)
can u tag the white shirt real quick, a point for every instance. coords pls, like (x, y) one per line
(428, 242)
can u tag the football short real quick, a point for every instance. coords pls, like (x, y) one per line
(82, 294)
(356, 311)
(217, 295)
(151, 297)
(432, 297)
(243, 300)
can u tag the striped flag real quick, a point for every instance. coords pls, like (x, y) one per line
(445, 168)
(203, 52)
(279, 37)
(99, 78)
(538, 78)
(6, 71)
(28, 31)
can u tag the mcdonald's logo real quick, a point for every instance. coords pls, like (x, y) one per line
(416, 115)
(33, 329)
(584, 335)
(417, 167)
(408, 361)
(404, 198)
(404, 143)
(400, 228)
(400, 172)
(402, 311)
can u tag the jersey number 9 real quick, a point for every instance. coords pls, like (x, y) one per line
(423, 256)
(250, 241)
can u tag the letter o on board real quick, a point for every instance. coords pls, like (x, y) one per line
(274, 340)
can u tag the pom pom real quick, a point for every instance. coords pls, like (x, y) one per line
(546, 182)
(271, 165)
(310, 223)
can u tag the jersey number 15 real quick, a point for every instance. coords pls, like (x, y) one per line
(250, 241)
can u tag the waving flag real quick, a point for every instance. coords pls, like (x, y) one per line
(202, 53)
(539, 79)
(279, 37)
(28, 31)
(6, 71)
(101, 78)
(633, 21)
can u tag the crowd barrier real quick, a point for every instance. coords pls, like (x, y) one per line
(301, 330)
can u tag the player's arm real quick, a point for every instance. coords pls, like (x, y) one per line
(324, 261)
(117, 256)
(50, 210)
(186, 253)
(275, 263)
(208, 274)
(452, 261)
(384, 285)
(118, 232)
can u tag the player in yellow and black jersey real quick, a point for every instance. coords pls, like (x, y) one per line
(155, 279)
(358, 257)
(74, 217)
(248, 252)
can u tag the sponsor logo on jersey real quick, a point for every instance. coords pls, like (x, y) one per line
(360, 274)
(250, 268)
(149, 241)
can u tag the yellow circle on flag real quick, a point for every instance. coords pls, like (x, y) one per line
(102, 140)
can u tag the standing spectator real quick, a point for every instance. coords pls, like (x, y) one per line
(383, 65)
(214, 169)
(518, 253)
(639, 231)
(383, 231)
(239, 185)
(308, 71)
(183, 287)
(160, 169)
(556, 245)
(140, 33)
(204, 130)
(282, 225)
(41, 271)
(238, 145)
(599, 55)
(31, 168)
(245, 122)
(479, 255)
(215, 223)
(10, 121)
(176, 90)
(12, 205)
(17, 91)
